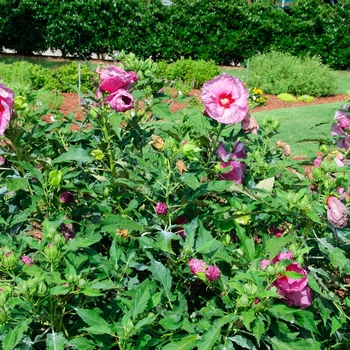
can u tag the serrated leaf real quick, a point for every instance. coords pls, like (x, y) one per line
(161, 110)
(306, 320)
(139, 301)
(97, 324)
(214, 333)
(186, 343)
(243, 342)
(164, 239)
(79, 155)
(81, 242)
(16, 183)
(114, 222)
(60, 290)
(55, 341)
(15, 334)
(161, 274)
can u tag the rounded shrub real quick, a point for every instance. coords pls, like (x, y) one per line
(277, 72)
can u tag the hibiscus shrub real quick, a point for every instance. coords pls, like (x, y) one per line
(144, 229)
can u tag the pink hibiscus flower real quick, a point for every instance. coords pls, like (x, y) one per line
(6, 107)
(120, 100)
(337, 212)
(225, 99)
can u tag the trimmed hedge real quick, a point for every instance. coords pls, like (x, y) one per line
(224, 31)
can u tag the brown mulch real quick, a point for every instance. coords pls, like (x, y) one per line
(71, 103)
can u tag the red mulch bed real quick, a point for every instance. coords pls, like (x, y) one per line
(71, 103)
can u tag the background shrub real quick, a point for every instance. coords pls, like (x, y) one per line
(277, 72)
(193, 72)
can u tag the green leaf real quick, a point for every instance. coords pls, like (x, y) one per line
(266, 184)
(169, 323)
(81, 343)
(79, 155)
(214, 333)
(247, 243)
(55, 341)
(15, 334)
(248, 317)
(161, 110)
(164, 239)
(243, 342)
(97, 324)
(60, 290)
(161, 274)
(16, 183)
(258, 329)
(114, 222)
(306, 320)
(314, 217)
(186, 343)
(275, 244)
(81, 242)
(140, 300)
(115, 120)
(145, 321)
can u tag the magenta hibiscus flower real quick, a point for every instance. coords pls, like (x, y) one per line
(120, 100)
(225, 99)
(6, 107)
(114, 78)
(337, 212)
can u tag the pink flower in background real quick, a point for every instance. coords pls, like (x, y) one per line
(2, 160)
(27, 260)
(120, 100)
(277, 232)
(341, 128)
(265, 264)
(114, 78)
(181, 220)
(6, 107)
(225, 99)
(317, 161)
(212, 273)
(197, 265)
(237, 169)
(249, 124)
(66, 197)
(337, 212)
(161, 208)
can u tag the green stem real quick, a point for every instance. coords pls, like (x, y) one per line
(212, 149)
(109, 149)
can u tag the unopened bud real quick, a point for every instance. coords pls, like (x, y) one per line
(42, 289)
(250, 288)
(9, 260)
(317, 173)
(243, 301)
(51, 251)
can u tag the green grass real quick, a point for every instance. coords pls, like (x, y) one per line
(300, 123)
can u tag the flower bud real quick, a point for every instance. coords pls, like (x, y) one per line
(323, 148)
(3, 298)
(42, 289)
(270, 270)
(243, 301)
(317, 173)
(51, 251)
(55, 177)
(58, 239)
(72, 278)
(19, 103)
(81, 283)
(97, 154)
(189, 148)
(161, 208)
(66, 197)
(9, 260)
(250, 288)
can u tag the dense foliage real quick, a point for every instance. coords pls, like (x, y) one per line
(151, 230)
(224, 31)
(277, 72)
